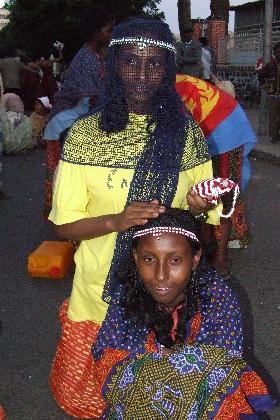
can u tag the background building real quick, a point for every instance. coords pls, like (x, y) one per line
(249, 31)
(4, 17)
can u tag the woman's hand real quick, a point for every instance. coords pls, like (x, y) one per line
(137, 213)
(198, 204)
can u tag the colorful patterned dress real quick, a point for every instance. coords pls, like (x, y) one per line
(205, 378)
(93, 179)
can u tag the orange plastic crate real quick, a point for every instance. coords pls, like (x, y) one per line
(52, 259)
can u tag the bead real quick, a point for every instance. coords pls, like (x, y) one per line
(159, 230)
(142, 42)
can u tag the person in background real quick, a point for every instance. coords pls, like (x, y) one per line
(15, 126)
(11, 69)
(85, 74)
(188, 57)
(269, 79)
(81, 85)
(56, 57)
(206, 61)
(39, 118)
(47, 85)
(208, 58)
(30, 82)
(230, 138)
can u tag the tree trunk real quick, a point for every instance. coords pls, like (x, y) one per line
(184, 15)
(219, 9)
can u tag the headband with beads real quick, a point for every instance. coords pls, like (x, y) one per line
(142, 42)
(159, 230)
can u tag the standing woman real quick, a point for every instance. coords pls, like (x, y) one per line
(84, 80)
(230, 139)
(86, 71)
(119, 168)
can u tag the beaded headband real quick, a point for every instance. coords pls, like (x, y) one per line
(159, 230)
(142, 42)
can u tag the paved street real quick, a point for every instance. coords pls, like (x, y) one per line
(28, 307)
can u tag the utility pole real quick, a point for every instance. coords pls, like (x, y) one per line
(184, 15)
(263, 120)
(268, 30)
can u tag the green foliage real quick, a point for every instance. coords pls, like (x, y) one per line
(9, 5)
(36, 24)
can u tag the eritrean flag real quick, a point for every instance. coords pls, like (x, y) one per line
(221, 118)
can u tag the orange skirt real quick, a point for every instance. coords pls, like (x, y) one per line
(2, 413)
(76, 380)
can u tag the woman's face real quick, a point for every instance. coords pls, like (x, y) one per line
(104, 36)
(141, 71)
(165, 265)
(39, 108)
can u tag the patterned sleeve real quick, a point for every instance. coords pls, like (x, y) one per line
(221, 318)
(85, 74)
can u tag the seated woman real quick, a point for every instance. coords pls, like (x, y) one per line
(172, 304)
(15, 126)
(39, 119)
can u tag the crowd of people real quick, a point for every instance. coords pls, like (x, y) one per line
(152, 327)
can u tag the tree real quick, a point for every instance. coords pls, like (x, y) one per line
(9, 5)
(184, 15)
(36, 24)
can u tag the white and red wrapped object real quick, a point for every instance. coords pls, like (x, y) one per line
(212, 189)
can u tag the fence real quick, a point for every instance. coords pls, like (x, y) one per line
(247, 46)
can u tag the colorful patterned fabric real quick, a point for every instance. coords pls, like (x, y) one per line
(229, 165)
(2, 413)
(53, 150)
(220, 323)
(71, 380)
(77, 379)
(221, 119)
(193, 383)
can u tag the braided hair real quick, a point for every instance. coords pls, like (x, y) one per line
(141, 306)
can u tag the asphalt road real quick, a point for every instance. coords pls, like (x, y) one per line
(29, 307)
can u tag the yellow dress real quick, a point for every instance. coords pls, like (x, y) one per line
(87, 188)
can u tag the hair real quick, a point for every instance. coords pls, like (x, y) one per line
(166, 105)
(276, 46)
(93, 20)
(188, 30)
(203, 40)
(141, 306)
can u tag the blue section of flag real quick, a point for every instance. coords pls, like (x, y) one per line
(231, 133)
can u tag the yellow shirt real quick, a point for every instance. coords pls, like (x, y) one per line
(85, 190)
